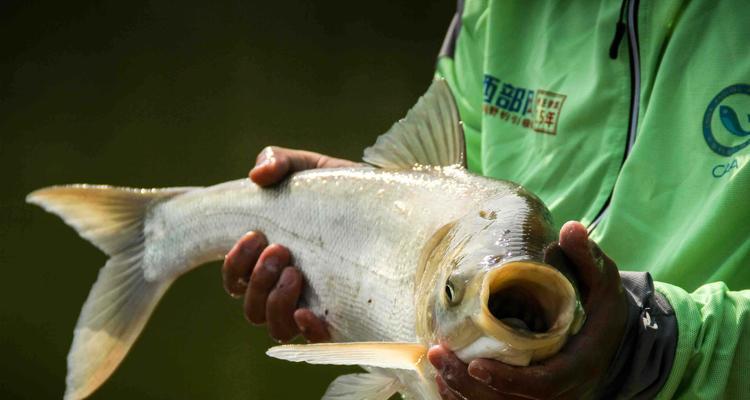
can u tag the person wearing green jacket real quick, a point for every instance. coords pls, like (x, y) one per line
(630, 117)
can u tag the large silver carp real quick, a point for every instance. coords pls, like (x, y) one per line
(407, 252)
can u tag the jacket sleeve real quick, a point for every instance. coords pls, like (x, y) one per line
(712, 357)
(681, 345)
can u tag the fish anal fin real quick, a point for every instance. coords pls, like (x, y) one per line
(372, 354)
(429, 135)
(365, 386)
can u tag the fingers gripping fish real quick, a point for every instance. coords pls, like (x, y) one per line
(414, 250)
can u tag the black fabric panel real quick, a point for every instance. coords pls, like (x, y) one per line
(644, 360)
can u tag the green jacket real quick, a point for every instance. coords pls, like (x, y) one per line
(649, 148)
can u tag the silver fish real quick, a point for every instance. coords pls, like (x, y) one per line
(407, 252)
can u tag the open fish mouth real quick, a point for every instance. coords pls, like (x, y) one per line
(519, 307)
(530, 297)
(529, 307)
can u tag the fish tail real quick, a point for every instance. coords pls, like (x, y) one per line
(122, 299)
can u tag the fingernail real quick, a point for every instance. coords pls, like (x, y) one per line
(479, 373)
(262, 163)
(286, 279)
(249, 247)
(596, 255)
(271, 264)
(435, 360)
(266, 157)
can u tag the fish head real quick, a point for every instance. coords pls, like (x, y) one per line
(489, 291)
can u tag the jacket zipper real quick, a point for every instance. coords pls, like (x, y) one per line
(635, 87)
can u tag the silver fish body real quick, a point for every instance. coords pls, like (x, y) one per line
(357, 235)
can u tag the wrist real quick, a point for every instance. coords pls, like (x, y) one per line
(646, 352)
(614, 378)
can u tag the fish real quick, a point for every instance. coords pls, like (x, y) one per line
(405, 251)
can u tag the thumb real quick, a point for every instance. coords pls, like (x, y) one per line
(583, 253)
(274, 163)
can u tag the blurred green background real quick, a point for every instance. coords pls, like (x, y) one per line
(161, 93)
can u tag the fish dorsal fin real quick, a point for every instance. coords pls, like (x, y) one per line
(430, 134)
(370, 386)
(372, 354)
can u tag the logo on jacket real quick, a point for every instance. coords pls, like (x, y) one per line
(728, 130)
(538, 110)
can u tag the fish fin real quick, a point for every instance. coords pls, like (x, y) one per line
(371, 354)
(366, 386)
(122, 299)
(430, 134)
(109, 217)
(114, 314)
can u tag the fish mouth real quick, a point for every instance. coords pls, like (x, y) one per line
(528, 305)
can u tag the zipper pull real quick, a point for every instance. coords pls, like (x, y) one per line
(619, 32)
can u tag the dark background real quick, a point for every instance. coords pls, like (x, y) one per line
(159, 93)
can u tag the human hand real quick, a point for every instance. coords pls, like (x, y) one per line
(578, 370)
(264, 273)
(275, 163)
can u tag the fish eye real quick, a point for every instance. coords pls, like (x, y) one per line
(450, 292)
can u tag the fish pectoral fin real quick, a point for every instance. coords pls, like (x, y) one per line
(366, 386)
(371, 354)
(430, 134)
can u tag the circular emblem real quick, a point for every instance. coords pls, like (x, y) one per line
(732, 125)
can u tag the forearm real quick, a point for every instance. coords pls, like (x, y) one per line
(712, 358)
(682, 344)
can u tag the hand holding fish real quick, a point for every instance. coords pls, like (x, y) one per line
(263, 274)
(273, 164)
(578, 370)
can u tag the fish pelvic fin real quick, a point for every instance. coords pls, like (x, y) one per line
(431, 134)
(122, 299)
(370, 354)
(365, 386)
